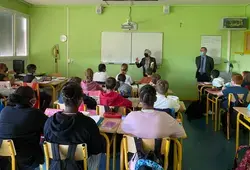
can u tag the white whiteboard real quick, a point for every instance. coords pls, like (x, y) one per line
(213, 45)
(151, 41)
(120, 47)
(116, 47)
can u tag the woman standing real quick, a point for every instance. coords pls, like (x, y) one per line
(147, 62)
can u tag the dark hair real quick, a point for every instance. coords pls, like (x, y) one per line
(237, 79)
(215, 73)
(3, 67)
(149, 71)
(75, 80)
(121, 77)
(124, 68)
(89, 74)
(110, 83)
(247, 78)
(155, 78)
(148, 95)
(72, 93)
(204, 48)
(244, 73)
(102, 67)
(162, 86)
(31, 68)
(22, 96)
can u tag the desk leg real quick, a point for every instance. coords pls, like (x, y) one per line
(207, 108)
(114, 151)
(216, 114)
(107, 150)
(53, 93)
(213, 114)
(237, 133)
(121, 157)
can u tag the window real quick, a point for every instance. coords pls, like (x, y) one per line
(13, 34)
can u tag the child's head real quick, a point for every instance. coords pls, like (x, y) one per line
(155, 78)
(24, 96)
(215, 73)
(121, 78)
(31, 68)
(246, 78)
(102, 68)
(72, 95)
(237, 79)
(124, 68)
(244, 73)
(149, 72)
(89, 75)
(148, 96)
(3, 68)
(162, 87)
(75, 80)
(110, 83)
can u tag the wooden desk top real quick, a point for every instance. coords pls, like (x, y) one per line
(53, 82)
(104, 129)
(204, 83)
(213, 91)
(243, 110)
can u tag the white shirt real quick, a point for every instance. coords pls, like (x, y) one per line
(163, 102)
(128, 80)
(218, 82)
(100, 76)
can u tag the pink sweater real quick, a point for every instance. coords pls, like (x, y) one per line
(152, 124)
(91, 86)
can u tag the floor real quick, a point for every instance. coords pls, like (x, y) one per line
(204, 149)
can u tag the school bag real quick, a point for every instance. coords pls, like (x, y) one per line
(153, 160)
(195, 110)
(244, 163)
(69, 163)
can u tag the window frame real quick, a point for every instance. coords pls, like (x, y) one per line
(14, 14)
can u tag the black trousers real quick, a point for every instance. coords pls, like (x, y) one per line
(203, 77)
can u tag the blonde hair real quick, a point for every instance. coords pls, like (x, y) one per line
(89, 75)
(162, 86)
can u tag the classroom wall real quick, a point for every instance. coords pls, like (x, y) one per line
(181, 44)
(15, 5)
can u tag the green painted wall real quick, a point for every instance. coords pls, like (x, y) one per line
(15, 5)
(181, 44)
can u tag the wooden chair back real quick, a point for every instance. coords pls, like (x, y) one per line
(7, 148)
(35, 87)
(100, 110)
(80, 154)
(148, 144)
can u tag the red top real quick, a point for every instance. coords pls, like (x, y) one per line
(145, 80)
(114, 99)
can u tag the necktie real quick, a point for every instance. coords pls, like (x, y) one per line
(202, 65)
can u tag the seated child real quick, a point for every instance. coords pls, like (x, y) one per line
(246, 79)
(235, 89)
(112, 98)
(217, 82)
(101, 76)
(163, 102)
(89, 101)
(89, 84)
(70, 127)
(124, 70)
(155, 78)
(149, 123)
(4, 74)
(45, 98)
(148, 79)
(124, 89)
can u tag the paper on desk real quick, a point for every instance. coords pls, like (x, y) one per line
(96, 118)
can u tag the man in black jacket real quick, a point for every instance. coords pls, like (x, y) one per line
(147, 62)
(204, 65)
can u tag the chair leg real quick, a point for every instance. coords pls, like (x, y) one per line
(228, 126)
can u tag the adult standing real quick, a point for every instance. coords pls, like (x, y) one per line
(204, 65)
(147, 62)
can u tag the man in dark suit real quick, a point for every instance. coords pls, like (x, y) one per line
(147, 62)
(205, 65)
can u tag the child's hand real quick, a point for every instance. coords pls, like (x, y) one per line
(137, 60)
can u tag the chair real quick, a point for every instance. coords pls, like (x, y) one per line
(62, 106)
(80, 154)
(94, 94)
(35, 87)
(7, 148)
(100, 110)
(128, 146)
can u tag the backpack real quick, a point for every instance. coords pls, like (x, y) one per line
(195, 110)
(153, 160)
(67, 164)
(244, 164)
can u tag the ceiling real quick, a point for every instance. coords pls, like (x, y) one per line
(170, 2)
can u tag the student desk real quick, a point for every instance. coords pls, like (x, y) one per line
(212, 96)
(177, 150)
(246, 115)
(55, 85)
(109, 142)
(201, 86)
